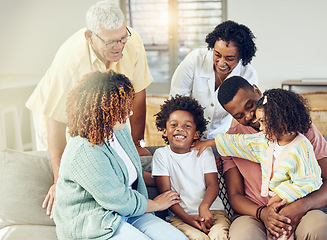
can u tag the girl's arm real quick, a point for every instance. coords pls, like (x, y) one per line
(163, 185)
(211, 180)
(246, 146)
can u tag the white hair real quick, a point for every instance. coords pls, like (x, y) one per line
(104, 14)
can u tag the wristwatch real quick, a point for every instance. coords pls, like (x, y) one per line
(140, 143)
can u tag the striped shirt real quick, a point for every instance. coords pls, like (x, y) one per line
(292, 175)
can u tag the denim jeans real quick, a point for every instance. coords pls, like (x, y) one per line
(146, 227)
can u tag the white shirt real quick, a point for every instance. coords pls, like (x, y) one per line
(114, 143)
(186, 172)
(195, 77)
(278, 149)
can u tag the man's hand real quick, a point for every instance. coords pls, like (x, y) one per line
(56, 146)
(219, 163)
(293, 211)
(276, 223)
(49, 200)
(143, 151)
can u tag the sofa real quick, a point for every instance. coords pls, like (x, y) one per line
(25, 178)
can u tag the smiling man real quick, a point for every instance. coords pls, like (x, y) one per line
(106, 43)
(243, 178)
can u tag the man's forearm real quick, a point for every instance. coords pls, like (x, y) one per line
(243, 205)
(56, 144)
(235, 189)
(137, 120)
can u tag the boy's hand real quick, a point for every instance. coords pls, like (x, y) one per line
(197, 222)
(202, 145)
(206, 214)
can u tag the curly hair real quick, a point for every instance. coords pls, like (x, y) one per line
(97, 103)
(239, 34)
(183, 103)
(285, 112)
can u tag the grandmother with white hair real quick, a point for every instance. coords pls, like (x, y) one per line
(106, 43)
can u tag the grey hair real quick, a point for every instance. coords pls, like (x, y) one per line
(104, 14)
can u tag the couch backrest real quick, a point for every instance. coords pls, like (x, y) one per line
(25, 178)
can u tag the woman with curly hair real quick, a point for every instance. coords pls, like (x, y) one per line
(230, 50)
(100, 192)
(289, 167)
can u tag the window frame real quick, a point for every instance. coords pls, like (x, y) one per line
(164, 88)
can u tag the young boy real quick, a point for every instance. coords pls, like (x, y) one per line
(201, 214)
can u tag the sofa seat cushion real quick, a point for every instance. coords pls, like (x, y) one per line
(32, 232)
(25, 178)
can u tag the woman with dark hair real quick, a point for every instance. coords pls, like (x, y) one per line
(230, 50)
(100, 192)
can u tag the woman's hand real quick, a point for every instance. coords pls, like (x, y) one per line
(163, 201)
(275, 223)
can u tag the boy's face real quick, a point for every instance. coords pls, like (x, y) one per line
(180, 131)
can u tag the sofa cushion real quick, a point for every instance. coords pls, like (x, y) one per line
(25, 178)
(28, 232)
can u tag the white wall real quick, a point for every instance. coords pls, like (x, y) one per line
(291, 38)
(31, 33)
(291, 35)
(33, 30)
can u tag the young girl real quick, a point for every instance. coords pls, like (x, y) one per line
(289, 168)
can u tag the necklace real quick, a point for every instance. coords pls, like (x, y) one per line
(220, 81)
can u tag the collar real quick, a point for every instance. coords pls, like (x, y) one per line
(207, 65)
(93, 56)
(96, 60)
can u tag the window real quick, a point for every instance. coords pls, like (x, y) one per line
(170, 29)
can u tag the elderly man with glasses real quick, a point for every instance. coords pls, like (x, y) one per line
(106, 43)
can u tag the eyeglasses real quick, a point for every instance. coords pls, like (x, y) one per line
(111, 44)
